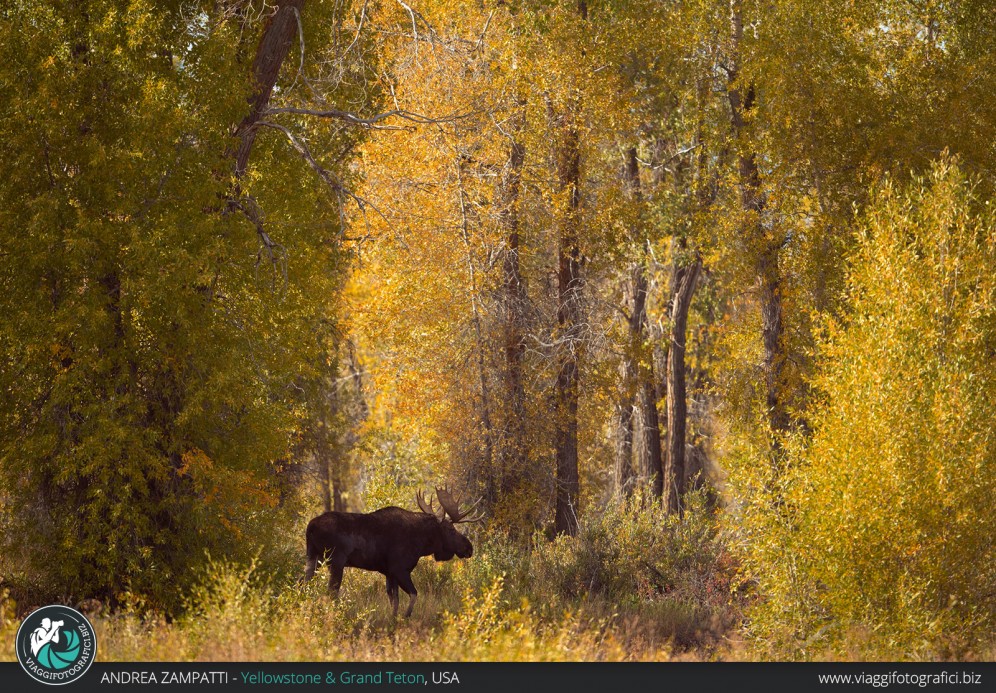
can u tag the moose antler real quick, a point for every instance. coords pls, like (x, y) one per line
(451, 506)
(429, 508)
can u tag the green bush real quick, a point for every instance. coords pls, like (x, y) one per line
(237, 612)
(147, 391)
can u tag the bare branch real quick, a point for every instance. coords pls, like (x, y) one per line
(359, 28)
(372, 121)
(303, 150)
(300, 38)
(275, 252)
(411, 13)
(340, 190)
(484, 31)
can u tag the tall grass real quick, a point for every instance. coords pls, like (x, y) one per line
(633, 585)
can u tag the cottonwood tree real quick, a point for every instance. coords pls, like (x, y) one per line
(163, 295)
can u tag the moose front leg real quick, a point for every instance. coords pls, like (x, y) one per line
(405, 580)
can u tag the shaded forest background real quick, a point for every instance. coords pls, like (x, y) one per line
(698, 296)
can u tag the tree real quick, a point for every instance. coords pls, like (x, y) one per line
(149, 359)
(762, 240)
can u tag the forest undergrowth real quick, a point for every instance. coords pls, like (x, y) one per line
(634, 585)
(622, 590)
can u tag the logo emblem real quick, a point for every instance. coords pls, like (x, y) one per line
(55, 644)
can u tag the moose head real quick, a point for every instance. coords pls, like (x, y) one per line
(448, 515)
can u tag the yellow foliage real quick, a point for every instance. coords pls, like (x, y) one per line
(884, 528)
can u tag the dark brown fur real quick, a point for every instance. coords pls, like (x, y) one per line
(389, 541)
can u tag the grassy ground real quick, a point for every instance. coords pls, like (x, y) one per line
(632, 585)
(562, 601)
(238, 614)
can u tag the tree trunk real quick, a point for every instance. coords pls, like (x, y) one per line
(569, 285)
(278, 36)
(324, 469)
(357, 411)
(341, 412)
(478, 328)
(651, 460)
(752, 202)
(333, 465)
(624, 472)
(356, 376)
(772, 332)
(624, 477)
(514, 452)
(331, 451)
(638, 369)
(677, 409)
(650, 450)
(338, 497)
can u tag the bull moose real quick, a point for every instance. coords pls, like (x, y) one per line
(389, 541)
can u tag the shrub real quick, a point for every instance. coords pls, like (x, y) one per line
(674, 572)
(883, 545)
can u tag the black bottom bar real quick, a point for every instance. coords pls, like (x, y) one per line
(492, 677)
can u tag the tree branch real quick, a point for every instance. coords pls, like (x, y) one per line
(371, 122)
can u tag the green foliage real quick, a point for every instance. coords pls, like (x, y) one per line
(147, 359)
(884, 541)
(169, 383)
(625, 550)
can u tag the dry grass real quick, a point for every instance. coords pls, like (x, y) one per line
(237, 615)
(633, 585)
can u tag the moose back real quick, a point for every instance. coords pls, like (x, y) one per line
(389, 541)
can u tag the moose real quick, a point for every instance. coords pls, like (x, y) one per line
(389, 541)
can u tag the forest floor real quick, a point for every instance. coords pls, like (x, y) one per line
(243, 614)
(632, 586)
(236, 616)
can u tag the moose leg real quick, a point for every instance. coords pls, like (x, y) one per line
(336, 564)
(309, 569)
(405, 580)
(392, 594)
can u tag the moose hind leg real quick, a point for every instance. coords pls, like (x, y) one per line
(405, 581)
(309, 569)
(392, 594)
(335, 575)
